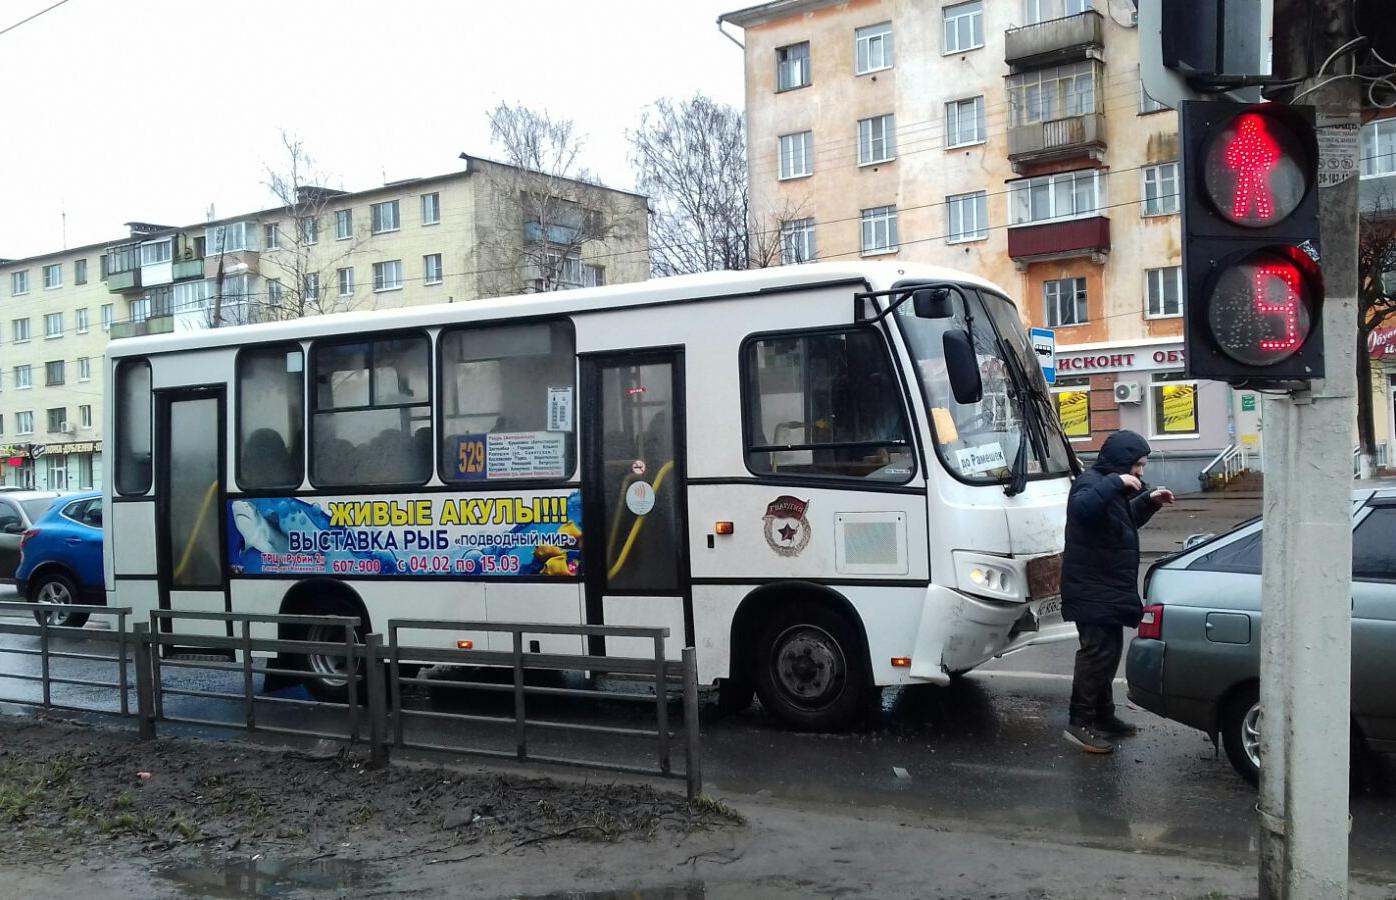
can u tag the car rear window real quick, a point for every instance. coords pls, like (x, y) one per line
(1241, 556)
(36, 508)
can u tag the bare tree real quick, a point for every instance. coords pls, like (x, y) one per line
(562, 213)
(690, 156)
(1376, 306)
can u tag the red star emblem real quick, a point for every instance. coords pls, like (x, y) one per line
(788, 532)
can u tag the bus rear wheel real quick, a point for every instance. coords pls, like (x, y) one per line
(811, 673)
(328, 673)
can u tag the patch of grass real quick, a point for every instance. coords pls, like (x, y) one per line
(122, 800)
(360, 817)
(711, 806)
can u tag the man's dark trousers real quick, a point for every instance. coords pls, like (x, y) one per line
(1092, 688)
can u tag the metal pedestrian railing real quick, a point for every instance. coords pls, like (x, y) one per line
(121, 640)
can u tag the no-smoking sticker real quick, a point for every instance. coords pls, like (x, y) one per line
(637, 467)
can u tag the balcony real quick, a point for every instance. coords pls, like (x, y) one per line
(142, 327)
(124, 282)
(1055, 41)
(1060, 240)
(1055, 140)
(186, 269)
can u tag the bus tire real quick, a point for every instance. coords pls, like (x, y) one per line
(326, 679)
(810, 671)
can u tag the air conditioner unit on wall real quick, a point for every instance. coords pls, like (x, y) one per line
(1128, 392)
(66, 427)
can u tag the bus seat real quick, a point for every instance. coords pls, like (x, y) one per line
(334, 461)
(266, 450)
(790, 433)
(421, 454)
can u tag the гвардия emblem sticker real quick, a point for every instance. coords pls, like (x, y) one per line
(787, 529)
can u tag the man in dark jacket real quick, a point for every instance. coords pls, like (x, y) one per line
(1100, 577)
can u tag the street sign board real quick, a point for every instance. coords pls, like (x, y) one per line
(1044, 345)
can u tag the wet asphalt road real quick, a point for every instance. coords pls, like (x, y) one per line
(985, 754)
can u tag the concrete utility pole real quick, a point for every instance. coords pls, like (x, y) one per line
(1306, 635)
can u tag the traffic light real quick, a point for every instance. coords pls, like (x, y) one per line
(1251, 282)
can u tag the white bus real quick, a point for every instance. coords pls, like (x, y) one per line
(826, 478)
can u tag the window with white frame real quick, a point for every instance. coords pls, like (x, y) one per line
(792, 66)
(108, 314)
(431, 209)
(19, 330)
(24, 377)
(593, 276)
(310, 286)
(57, 420)
(1064, 300)
(1379, 148)
(233, 237)
(1173, 402)
(879, 230)
(53, 276)
(82, 324)
(85, 416)
(308, 229)
(53, 325)
(964, 26)
(431, 268)
(797, 155)
(1055, 92)
(271, 236)
(24, 423)
(84, 368)
(797, 242)
(343, 224)
(964, 122)
(384, 216)
(80, 271)
(387, 276)
(346, 282)
(1035, 11)
(1163, 288)
(275, 293)
(872, 48)
(1160, 190)
(877, 139)
(19, 282)
(966, 217)
(190, 296)
(153, 253)
(140, 309)
(1066, 195)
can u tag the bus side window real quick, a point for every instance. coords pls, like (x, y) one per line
(270, 417)
(133, 432)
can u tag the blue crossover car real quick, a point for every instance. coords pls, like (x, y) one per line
(61, 558)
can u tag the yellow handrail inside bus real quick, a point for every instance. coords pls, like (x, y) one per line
(198, 527)
(638, 524)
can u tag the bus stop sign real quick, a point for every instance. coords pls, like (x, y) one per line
(1044, 344)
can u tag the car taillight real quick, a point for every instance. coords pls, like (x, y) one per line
(1151, 626)
(26, 536)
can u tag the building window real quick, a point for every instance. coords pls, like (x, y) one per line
(19, 330)
(1164, 288)
(384, 216)
(108, 314)
(431, 209)
(964, 26)
(387, 276)
(1160, 190)
(872, 47)
(85, 416)
(1072, 397)
(53, 373)
(792, 66)
(57, 419)
(84, 368)
(431, 269)
(1174, 402)
(23, 377)
(964, 122)
(1066, 195)
(1065, 301)
(1378, 149)
(966, 217)
(797, 242)
(343, 224)
(1035, 11)
(155, 253)
(53, 276)
(271, 236)
(140, 309)
(346, 282)
(310, 286)
(593, 276)
(53, 326)
(1056, 92)
(24, 423)
(80, 271)
(234, 237)
(19, 282)
(274, 293)
(879, 230)
(797, 155)
(308, 230)
(271, 417)
(82, 326)
(877, 140)
(1148, 104)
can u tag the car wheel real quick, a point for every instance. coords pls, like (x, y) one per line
(329, 673)
(55, 590)
(811, 672)
(1241, 732)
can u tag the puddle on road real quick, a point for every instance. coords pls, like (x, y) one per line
(267, 877)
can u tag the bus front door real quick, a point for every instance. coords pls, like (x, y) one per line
(190, 516)
(635, 557)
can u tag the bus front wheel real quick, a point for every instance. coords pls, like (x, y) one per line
(811, 673)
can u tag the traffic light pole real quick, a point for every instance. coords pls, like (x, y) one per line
(1306, 637)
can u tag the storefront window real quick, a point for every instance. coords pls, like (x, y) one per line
(1073, 402)
(1173, 402)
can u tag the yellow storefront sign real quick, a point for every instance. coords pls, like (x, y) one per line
(1074, 410)
(1179, 408)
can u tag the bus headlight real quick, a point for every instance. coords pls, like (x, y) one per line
(988, 577)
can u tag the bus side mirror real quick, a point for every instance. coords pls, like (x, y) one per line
(932, 303)
(962, 367)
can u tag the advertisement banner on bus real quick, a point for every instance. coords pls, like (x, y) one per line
(435, 534)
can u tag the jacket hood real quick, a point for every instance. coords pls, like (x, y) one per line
(1120, 451)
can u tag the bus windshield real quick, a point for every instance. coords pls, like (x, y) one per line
(979, 442)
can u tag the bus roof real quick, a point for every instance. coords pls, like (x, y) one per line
(676, 289)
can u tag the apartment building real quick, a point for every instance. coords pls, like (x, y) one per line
(1013, 139)
(488, 230)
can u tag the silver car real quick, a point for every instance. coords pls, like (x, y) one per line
(1197, 657)
(19, 510)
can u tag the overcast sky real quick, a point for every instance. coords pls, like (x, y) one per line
(151, 110)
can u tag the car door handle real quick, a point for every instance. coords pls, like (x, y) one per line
(73, 542)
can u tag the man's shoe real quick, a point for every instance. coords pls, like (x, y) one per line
(1086, 737)
(1113, 726)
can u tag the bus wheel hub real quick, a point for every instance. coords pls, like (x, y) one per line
(809, 662)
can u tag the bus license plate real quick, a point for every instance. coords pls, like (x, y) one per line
(1049, 611)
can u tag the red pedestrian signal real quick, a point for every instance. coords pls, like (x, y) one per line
(1252, 284)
